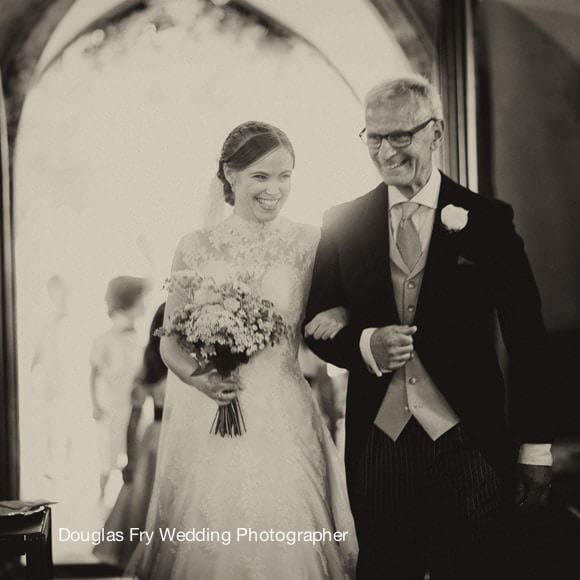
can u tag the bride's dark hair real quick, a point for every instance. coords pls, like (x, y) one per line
(246, 144)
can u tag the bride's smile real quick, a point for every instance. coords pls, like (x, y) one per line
(267, 203)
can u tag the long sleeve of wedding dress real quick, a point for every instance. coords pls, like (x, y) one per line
(272, 503)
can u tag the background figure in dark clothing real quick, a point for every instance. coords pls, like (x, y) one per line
(130, 509)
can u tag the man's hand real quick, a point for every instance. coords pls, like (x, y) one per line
(326, 325)
(223, 390)
(392, 346)
(532, 486)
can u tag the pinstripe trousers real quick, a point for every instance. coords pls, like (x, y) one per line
(423, 505)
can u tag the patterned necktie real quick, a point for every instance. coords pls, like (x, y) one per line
(408, 240)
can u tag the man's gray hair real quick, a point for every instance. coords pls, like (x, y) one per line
(414, 87)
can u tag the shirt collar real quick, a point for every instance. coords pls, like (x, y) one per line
(428, 196)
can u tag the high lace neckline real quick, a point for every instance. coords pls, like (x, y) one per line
(245, 226)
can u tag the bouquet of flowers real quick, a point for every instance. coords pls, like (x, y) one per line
(222, 326)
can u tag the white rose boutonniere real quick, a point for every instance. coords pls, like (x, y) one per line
(454, 218)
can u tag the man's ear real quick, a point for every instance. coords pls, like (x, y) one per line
(438, 133)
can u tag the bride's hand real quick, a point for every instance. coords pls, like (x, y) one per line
(326, 325)
(223, 390)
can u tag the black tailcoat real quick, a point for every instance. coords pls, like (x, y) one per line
(469, 275)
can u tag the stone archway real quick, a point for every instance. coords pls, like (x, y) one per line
(25, 28)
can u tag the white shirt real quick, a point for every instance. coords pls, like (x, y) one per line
(423, 219)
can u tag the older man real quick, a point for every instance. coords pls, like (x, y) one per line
(421, 264)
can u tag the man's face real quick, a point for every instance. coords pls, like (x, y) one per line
(407, 168)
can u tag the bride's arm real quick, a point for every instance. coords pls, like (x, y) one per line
(211, 383)
(176, 360)
(174, 357)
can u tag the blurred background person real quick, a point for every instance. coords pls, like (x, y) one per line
(130, 509)
(115, 360)
(51, 381)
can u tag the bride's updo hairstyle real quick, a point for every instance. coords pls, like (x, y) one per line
(246, 144)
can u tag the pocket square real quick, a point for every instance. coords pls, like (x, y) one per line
(461, 261)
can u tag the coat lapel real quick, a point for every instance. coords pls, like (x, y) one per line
(374, 246)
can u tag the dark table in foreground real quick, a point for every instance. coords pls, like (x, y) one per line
(30, 536)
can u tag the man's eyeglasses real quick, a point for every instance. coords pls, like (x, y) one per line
(397, 139)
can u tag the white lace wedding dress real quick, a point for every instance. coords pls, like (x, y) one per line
(283, 475)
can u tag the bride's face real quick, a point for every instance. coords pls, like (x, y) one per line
(261, 189)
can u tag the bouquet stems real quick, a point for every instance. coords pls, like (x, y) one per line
(229, 420)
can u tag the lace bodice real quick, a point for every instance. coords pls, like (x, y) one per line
(277, 257)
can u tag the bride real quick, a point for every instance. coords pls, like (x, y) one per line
(271, 503)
